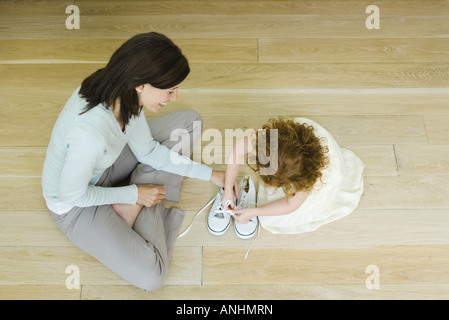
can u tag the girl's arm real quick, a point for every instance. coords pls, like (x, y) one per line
(235, 159)
(278, 207)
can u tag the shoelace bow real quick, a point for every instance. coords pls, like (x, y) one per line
(221, 212)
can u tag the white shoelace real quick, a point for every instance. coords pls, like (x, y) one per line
(196, 215)
(252, 242)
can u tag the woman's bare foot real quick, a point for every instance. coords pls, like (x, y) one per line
(128, 212)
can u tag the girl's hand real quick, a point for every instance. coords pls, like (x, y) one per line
(228, 195)
(218, 177)
(242, 216)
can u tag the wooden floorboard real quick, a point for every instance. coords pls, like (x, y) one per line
(211, 26)
(384, 94)
(398, 264)
(271, 292)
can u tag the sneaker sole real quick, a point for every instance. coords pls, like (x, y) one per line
(245, 236)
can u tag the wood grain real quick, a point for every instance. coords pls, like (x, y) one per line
(230, 7)
(271, 292)
(211, 26)
(381, 93)
(397, 264)
(100, 50)
(356, 50)
(422, 159)
(437, 129)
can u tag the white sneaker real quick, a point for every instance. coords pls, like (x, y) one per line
(219, 219)
(247, 199)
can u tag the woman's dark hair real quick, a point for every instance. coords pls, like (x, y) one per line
(145, 58)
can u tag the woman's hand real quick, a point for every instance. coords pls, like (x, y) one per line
(150, 194)
(242, 216)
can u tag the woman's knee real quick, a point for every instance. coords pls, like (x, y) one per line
(191, 115)
(154, 279)
(193, 121)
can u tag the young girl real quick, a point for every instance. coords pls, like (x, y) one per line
(315, 182)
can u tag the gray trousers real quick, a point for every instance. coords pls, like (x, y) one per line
(140, 254)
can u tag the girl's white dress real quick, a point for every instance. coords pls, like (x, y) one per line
(335, 197)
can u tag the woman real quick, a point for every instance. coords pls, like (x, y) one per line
(105, 173)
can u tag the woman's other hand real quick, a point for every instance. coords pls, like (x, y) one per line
(150, 194)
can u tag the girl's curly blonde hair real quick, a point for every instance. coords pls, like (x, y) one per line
(301, 156)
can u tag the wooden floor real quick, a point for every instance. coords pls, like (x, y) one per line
(382, 93)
